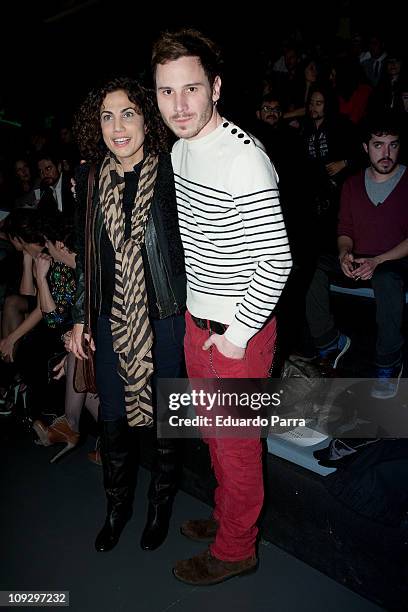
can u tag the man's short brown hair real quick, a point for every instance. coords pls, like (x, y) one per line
(187, 42)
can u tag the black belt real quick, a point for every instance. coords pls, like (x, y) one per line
(214, 326)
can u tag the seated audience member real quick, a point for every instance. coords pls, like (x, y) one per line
(67, 150)
(289, 59)
(284, 148)
(65, 428)
(307, 75)
(21, 228)
(351, 88)
(332, 152)
(386, 95)
(15, 306)
(358, 48)
(372, 245)
(374, 65)
(56, 192)
(27, 190)
(53, 283)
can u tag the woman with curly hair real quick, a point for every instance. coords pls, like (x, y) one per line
(137, 291)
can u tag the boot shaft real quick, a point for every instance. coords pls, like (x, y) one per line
(119, 455)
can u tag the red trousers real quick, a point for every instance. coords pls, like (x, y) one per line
(237, 463)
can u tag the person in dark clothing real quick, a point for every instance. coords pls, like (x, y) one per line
(137, 291)
(284, 148)
(26, 183)
(372, 246)
(48, 287)
(55, 186)
(333, 152)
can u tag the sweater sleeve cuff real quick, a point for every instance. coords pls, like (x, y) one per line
(239, 334)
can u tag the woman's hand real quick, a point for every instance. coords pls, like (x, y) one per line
(7, 348)
(75, 343)
(60, 369)
(66, 338)
(42, 264)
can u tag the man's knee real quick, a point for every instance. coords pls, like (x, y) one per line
(327, 267)
(386, 277)
(329, 263)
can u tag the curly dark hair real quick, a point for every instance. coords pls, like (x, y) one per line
(87, 128)
(381, 123)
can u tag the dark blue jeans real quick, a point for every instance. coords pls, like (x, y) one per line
(388, 282)
(167, 359)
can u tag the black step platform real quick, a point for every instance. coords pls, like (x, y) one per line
(303, 518)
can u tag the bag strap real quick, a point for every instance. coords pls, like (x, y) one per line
(88, 241)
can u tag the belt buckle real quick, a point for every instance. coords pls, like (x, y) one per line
(213, 326)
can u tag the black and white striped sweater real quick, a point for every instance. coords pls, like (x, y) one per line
(236, 248)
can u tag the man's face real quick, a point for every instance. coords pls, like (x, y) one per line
(185, 97)
(383, 152)
(316, 106)
(65, 135)
(49, 172)
(311, 72)
(393, 67)
(270, 112)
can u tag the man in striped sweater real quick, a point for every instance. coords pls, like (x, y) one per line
(237, 262)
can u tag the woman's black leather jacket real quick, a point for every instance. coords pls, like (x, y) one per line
(163, 254)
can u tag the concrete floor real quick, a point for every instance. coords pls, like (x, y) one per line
(50, 514)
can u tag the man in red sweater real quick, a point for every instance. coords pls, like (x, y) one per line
(372, 245)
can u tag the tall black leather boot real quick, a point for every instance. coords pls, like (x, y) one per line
(163, 487)
(119, 463)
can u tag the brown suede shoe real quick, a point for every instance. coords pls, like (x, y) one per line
(205, 569)
(200, 530)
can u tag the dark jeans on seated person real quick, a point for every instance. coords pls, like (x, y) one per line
(388, 282)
